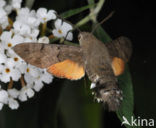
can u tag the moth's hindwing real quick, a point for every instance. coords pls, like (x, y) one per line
(120, 47)
(120, 51)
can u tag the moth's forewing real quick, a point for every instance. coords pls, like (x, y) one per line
(37, 54)
(45, 55)
(54, 58)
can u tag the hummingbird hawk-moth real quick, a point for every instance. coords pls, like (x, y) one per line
(101, 62)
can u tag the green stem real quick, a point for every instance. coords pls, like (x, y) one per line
(83, 21)
(99, 6)
(91, 8)
(92, 15)
(44, 26)
(96, 10)
(29, 3)
(70, 43)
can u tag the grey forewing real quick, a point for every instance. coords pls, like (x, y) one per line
(44, 55)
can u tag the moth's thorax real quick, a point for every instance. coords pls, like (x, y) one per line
(85, 39)
(91, 45)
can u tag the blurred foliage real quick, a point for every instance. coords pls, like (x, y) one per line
(72, 12)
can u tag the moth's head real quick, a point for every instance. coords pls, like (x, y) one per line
(84, 38)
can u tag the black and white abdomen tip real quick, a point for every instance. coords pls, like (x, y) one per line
(110, 95)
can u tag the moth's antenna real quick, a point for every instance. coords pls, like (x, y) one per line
(75, 27)
(104, 20)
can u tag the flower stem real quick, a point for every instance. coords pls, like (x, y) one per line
(92, 15)
(22, 81)
(1, 30)
(83, 21)
(44, 26)
(51, 36)
(97, 9)
(10, 83)
(10, 24)
(70, 43)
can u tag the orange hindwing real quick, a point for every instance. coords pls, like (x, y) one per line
(118, 66)
(67, 69)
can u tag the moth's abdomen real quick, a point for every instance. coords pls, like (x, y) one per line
(109, 94)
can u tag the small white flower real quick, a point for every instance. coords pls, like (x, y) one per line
(45, 15)
(28, 17)
(43, 39)
(1, 68)
(32, 76)
(42, 77)
(2, 58)
(8, 9)
(25, 30)
(2, 13)
(29, 39)
(62, 29)
(13, 104)
(16, 4)
(46, 77)
(2, 3)
(30, 93)
(22, 67)
(3, 18)
(14, 58)
(3, 96)
(38, 85)
(26, 92)
(9, 72)
(34, 33)
(28, 79)
(2, 49)
(13, 93)
(5, 36)
(9, 63)
(8, 40)
(1, 106)
(21, 28)
(32, 70)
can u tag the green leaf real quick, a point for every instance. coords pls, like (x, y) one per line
(127, 105)
(101, 34)
(39, 112)
(91, 2)
(29, 3)
(72, 12)
(125, 84)
(77, 108)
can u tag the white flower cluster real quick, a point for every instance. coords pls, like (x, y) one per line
(25, 28)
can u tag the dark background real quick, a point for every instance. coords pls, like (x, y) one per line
(134, 19)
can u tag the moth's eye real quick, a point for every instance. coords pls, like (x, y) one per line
(79, 37)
